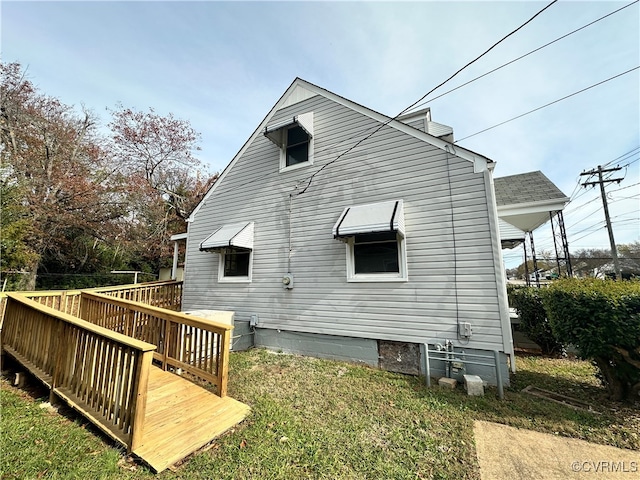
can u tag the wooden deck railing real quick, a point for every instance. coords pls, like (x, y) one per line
(184, 343)
(164, 294)
(67, 301)
(101, 373)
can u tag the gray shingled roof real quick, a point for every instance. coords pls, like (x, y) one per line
(525, 188)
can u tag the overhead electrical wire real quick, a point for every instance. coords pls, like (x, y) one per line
(475, 59)
(549, 104)
(600, 225)
(382, 125)
(578, 192)
(624, 188)
(572, 208)
(522, 56)
(494, 70)
(622, 157)
(375, 130)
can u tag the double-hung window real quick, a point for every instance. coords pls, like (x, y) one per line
(296, 150)
(294, 137)
(375, 242)
(234, 245)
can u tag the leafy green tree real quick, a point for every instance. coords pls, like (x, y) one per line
(17, 258)
(166, 181)
(78, 201)
(52, 154)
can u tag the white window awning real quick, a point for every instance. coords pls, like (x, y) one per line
(238, 235)
(371, 218)
(276, 131)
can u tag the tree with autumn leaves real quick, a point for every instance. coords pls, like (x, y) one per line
(77, 200)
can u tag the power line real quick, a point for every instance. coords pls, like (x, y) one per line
(624, 188)
(522, 56)
(584, 218)
(548, 104)
(382, 125)
(475, 59)
(630, 152)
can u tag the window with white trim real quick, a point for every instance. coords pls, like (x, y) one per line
(296, 148)
(294, 137)
(376, 257)
(234, 245)
(235, 265)
(375, 241)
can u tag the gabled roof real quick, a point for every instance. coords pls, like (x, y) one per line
(526, 200)
(301, 90)
(526, 188)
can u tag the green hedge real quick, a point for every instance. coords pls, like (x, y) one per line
(602, 319)
(533, 318)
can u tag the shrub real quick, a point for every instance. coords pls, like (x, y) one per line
(602, 319)
(533, 318)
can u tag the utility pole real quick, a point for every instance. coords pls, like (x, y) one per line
(601, 181)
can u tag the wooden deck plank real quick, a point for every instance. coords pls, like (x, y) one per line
(181, 418)
(185, 441)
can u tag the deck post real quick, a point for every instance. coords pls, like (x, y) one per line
(58, 361)
(167, 343)
(141, 386)
(223, 362)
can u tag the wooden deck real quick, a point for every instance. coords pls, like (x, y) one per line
(104, 365)
(181, 418)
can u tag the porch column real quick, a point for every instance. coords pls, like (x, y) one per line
(174, 267)
(175, 239)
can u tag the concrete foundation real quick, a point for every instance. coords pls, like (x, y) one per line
(402, 357)
(360, 350)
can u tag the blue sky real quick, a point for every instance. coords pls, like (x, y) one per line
(223, 65)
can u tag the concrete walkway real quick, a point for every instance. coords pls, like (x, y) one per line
(508, 453)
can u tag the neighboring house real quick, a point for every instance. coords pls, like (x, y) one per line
(525, 202)
(361, 252)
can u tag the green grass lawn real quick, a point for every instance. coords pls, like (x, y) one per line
(316, 418)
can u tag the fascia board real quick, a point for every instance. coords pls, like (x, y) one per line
(533, 207)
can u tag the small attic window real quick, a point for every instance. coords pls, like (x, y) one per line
(294, 136)
(297, 146)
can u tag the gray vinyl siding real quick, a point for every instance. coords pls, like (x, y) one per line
(419, 123)
(390, 165)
